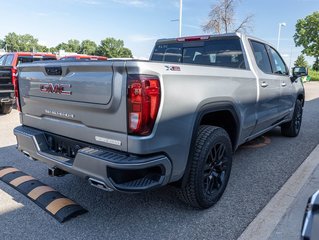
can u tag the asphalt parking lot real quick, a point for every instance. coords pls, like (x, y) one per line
(258, 173)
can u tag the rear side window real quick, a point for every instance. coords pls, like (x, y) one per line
(216, 52)
(9, 60)
(168, 53)
(278, 64)
(261, 57)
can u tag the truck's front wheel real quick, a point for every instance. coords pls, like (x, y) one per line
(5, 108)
(210, 167)
(292, 128)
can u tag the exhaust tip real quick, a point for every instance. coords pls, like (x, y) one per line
(99, 184)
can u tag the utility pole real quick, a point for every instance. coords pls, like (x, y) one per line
(290, 56)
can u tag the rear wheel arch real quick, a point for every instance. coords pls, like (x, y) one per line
(226, 120)
(221, 114)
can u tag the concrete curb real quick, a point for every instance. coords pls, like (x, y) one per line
(267, 220)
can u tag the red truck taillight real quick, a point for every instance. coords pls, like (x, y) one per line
(16, 87)
(144, 96)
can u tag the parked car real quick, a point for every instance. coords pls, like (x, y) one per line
(8, 72)
(83, 57)
(310, 229)
(133, 125)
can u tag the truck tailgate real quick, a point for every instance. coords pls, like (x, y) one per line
(80, 100)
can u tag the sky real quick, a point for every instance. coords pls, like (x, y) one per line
(140, 22)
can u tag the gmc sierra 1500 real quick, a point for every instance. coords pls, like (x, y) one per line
(132, 125)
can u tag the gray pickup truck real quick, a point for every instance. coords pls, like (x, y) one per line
(132, 125)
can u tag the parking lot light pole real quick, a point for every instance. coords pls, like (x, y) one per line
(280, 25)
(180, 17)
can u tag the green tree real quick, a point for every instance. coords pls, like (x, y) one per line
(28, 43)
(12, 42)
(25, 43)
(41, 48)
(113, 48)
(2, 43)
(72, 45)
(307, 35)
(62, 46)
(222, 18)
(315, 66)
(301, 61)
(126, 53)
(88, 47)
(52, 49)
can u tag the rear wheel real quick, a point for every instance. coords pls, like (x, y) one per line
(210, 168)
(292, 128)
(5, 108)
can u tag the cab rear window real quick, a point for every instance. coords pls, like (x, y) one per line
(29, 59)
(215, 52)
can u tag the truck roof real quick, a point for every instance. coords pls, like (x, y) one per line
(32, 54)
(84, 56)
(199, 37)
(206, 37)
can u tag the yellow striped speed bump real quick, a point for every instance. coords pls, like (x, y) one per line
(53, 202)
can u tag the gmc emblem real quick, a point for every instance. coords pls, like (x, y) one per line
(55, 88)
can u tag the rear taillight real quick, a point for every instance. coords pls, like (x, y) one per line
(144, 96)
(16, 87)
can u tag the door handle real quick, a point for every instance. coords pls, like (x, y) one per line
(283, 84)
(264, 84)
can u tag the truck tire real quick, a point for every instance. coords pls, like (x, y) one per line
(292, 128)
(211, 162)
(5, 108)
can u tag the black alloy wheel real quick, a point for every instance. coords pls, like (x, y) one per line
(211, 161)
(292, 128)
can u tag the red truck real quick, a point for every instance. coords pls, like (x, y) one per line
(8, 75)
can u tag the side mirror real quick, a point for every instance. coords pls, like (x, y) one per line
(299, 72)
